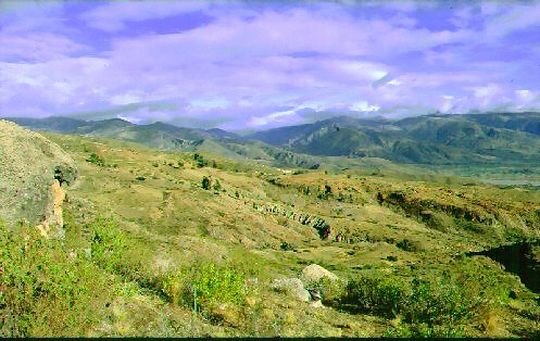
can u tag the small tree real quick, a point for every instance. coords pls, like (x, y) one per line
(205, 184)
(96, 159)
(199, 160)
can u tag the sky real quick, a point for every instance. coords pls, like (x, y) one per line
(249, 65)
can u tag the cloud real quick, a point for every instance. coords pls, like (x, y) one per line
(264, 64)
(38, 47)
(512, 19)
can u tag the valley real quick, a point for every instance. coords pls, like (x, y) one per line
(174, 216)
(269, 169)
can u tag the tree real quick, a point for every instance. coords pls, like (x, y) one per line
(205, 184)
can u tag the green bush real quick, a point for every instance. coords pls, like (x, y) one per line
(96, 159)
(381, 294)
(441, 303)
(205, 183)
(108, 245)
(331, 290)
(199, 160)
(205, 286)
(47, 290)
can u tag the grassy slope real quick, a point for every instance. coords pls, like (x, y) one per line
(175, 222)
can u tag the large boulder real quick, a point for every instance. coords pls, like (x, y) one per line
(33, 174)
(293, 286)
(314, 273)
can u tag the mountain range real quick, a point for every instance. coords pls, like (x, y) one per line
(489, 138)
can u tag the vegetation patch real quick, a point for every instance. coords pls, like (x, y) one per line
(46, 289)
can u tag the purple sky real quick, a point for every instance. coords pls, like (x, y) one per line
(255, 64)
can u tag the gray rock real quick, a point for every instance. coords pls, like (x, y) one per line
(314, 273)
(33, 171)
(292, 286)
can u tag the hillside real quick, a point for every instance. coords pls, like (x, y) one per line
(433, 139)
(143, 226)
(482, 139)
(215, 141)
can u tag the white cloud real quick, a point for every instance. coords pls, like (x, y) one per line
(364, 106)
(259, 61)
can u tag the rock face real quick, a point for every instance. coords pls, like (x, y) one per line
(293, 286)
(314, 273)
(33, 174)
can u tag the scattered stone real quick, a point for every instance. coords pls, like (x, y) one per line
(314, 273)
(293, 286)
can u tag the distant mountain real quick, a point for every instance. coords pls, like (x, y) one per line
(55, 124)
(496, 138)
(432, 139)
(170, 137)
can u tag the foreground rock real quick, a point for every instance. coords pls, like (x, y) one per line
(33, 174)
(292, 286)
(314, 273)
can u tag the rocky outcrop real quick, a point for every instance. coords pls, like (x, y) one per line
(33, 174)
(319, 224)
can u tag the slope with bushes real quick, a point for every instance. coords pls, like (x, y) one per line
(190, 244)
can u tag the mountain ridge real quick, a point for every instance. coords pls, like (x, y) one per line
(490, 138)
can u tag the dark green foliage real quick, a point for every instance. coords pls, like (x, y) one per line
(199, 160)
(409, 245)
(439, 303)
(96, 160)
(325, 192)
(205, 183)
(284, 246)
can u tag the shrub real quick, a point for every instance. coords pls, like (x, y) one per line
(46, 290)
(441, 303)
(96, 159)
(331, 290)
(199, 160)
(205, 183)
(382, 295)
(206, 286)
(108, 244)
(325, 193)
(409, 245)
